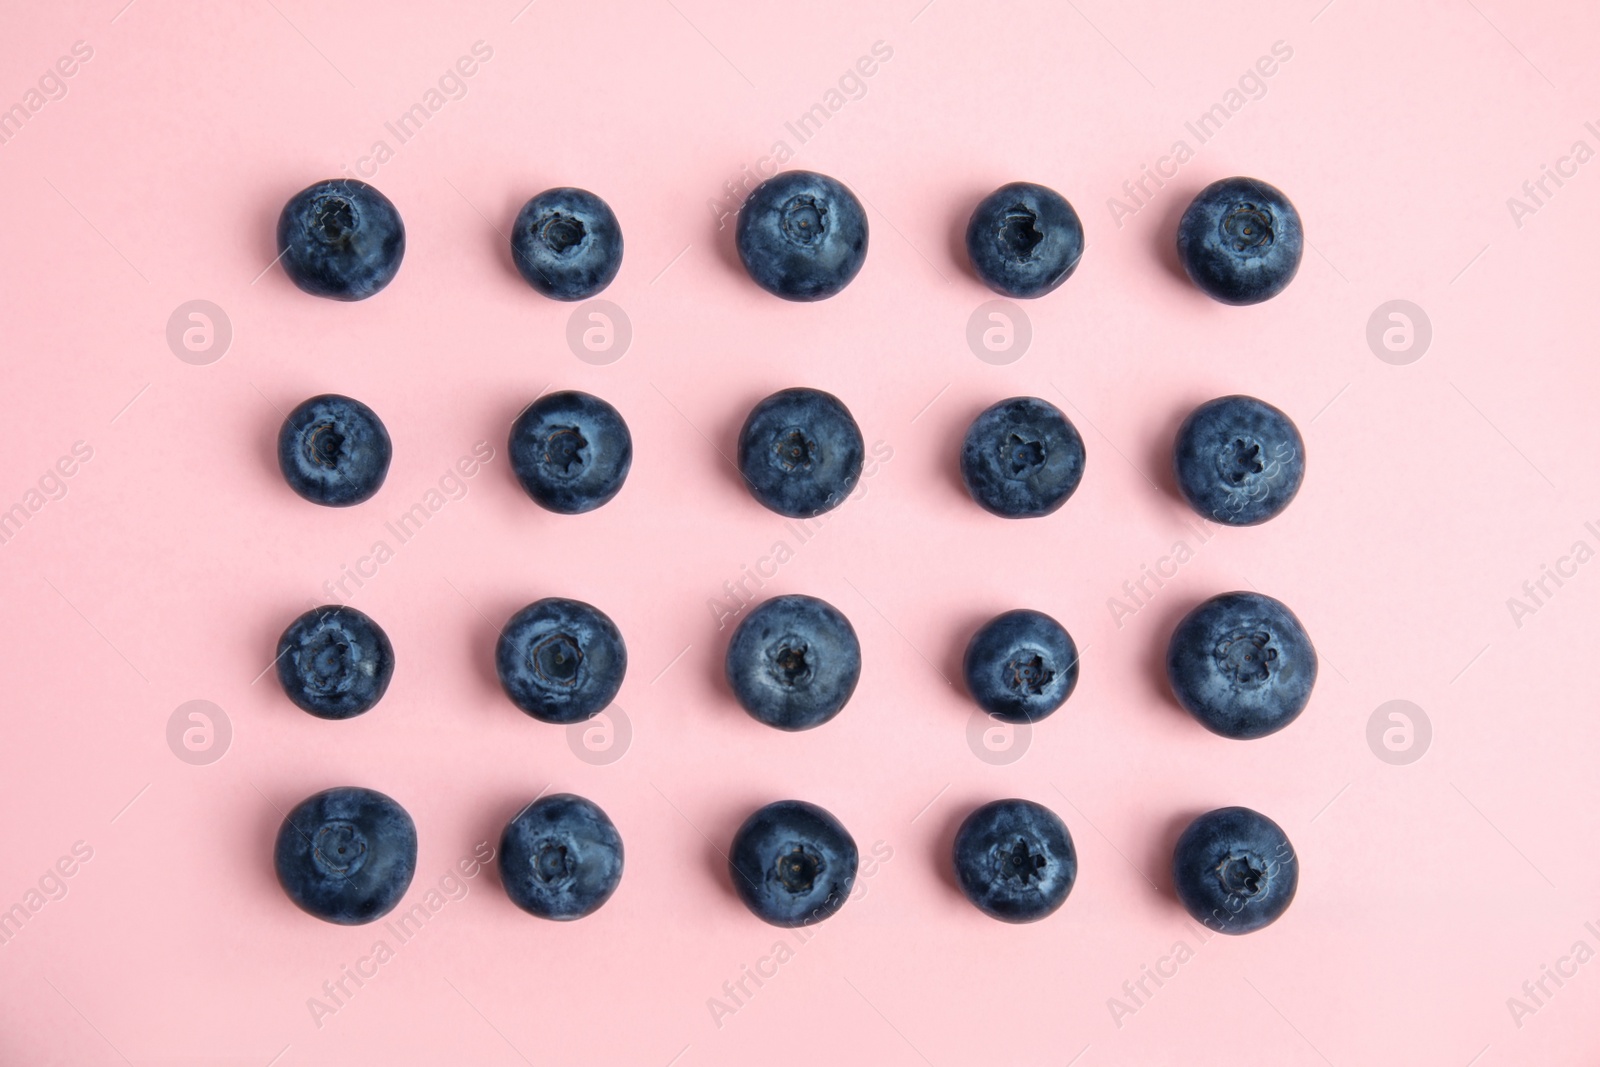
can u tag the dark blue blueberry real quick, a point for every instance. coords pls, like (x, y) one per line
(1015, 861)
(334, 451)
(800, 452)
(1021, 666)
(1242, 664)
(561, 858)
(1235, 870)
(794, 662)
(793, 863)
(1240, 241)
(1022, 458)
(341, 239)
(335, 662)
(802, 236)
(1024, 240)
(567, 243)
(571, 451)
(1238, 460)
(561, 661)
(346, 855)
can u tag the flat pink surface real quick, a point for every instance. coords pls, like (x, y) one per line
(1437, 897)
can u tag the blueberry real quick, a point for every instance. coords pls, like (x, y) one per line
(1014, 860)
(802, 236)
(567, 243)
(1235, 870)
(1021, 666)
(1024, 240)
(1022, 458)
(571, 451)
(335, 662)
(1240, 241)
(561, 661)
(800, 452)
(334, 451)
(794, 662)
(1238, 460)
(1242, 664)
(793, 863)
(346, 855)
(341, 239)
(561, 857)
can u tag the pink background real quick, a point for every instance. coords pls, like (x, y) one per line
(1430, 892)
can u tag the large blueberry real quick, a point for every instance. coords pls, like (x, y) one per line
(1022, 458)
(801, 452)
(1235, 870)
(561, 857)
(1242, 664)
(1024, 240)
(1238, 460)
(1240, 241)
(1015, 860)
(571, 451)
(341, 239)
(346, 855)
(793, 863)
(802, 236)
(1021, 666)
(335, 662)
(334, 451)
(794, 662)
(561, 661)
(567, 243)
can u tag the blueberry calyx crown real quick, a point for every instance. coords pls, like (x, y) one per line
(560, 232)
(790, 662)
(1023, 455)
(1019, 862)
(795, 450)
(552, 863)
(564, 451)
(798, 868)
(340, 849)
(1247, 657)
(324, 444)
(1247, 228)
(1244, 874)
(330, 665)
(334, 220)
(1019, 232)
(1028, 673)
(1240, 460)
(556, 660)
(804, 220)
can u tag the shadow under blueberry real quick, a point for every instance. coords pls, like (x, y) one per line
(719, 833)
(957, 233)
(723, 237)
(1157, 453)
(1163, 618)
(952, 435)
(1158, 862)
(953, 662)
(941, 856)
(483, 637)
(1175, 201)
